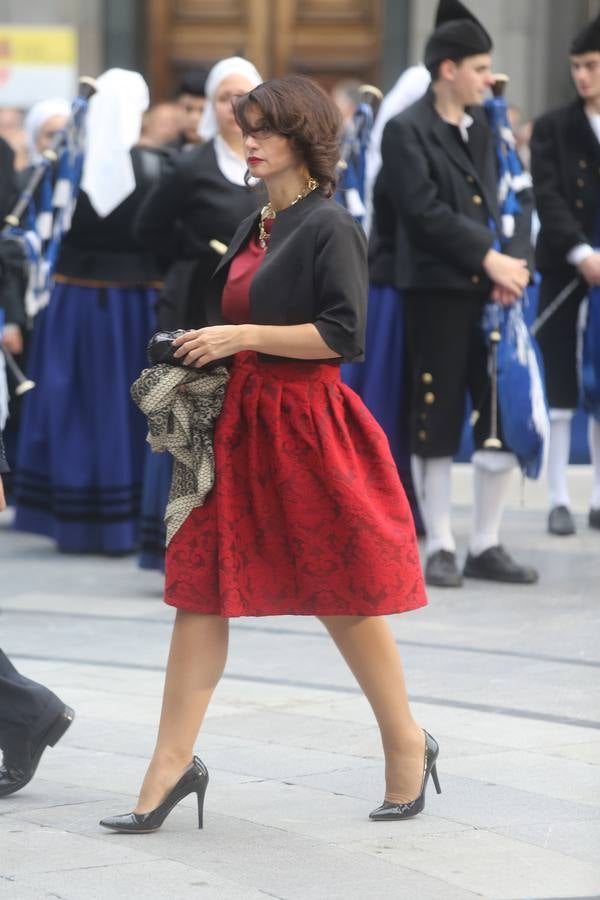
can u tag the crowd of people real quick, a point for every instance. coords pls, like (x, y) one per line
(213, 221)
(149, 229)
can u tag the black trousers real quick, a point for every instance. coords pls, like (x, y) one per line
(26, 710)
(448, 357)
(558, 341)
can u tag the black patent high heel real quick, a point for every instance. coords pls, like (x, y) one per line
(389, 811)
(193, 781)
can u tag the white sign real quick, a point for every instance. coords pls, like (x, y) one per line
(37, 63)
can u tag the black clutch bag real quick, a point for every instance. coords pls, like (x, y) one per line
(160, 348)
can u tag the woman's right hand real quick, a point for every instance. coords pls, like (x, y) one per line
(2, 498)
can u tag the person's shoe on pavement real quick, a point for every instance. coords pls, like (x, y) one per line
(560, 521)
(594, 518)
(19, 764)
(441, 570)
(495, 564)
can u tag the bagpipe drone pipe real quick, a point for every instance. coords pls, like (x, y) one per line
(516, 371)
(351, 168)
(590, 355)
(589, 346)
(33, 230)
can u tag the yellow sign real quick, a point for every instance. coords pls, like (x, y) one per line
(22, 46)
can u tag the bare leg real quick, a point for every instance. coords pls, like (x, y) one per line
(196, 662)
(368, 646)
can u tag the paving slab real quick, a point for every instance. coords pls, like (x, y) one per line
(507, 679)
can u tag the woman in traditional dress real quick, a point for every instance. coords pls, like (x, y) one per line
(307, 515)
(81, 447)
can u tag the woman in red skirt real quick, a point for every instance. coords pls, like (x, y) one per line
(307, 515)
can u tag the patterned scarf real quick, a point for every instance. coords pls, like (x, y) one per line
(182, 423)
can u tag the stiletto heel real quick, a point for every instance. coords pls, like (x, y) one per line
(200, 795)
(436, 780)
(390, 811)
(193, 781)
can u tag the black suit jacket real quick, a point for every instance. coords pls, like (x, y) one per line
(443, 199)
(565, 163)
(314, 270)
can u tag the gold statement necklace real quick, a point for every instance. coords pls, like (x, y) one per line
(267, 212)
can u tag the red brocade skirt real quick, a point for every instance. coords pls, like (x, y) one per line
(307, 515)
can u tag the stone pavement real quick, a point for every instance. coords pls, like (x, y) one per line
(507, 679)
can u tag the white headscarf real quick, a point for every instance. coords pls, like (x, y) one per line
(37, 116)
(113, 124)
(409, 88)
(233, 65)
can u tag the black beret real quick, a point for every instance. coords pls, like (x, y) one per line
(449, 10)
(456, 40)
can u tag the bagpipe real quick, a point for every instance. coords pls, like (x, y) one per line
(590, 355)
(588, 333)
(43, 212)
(351, 168)
(33, 230)
(515, 364)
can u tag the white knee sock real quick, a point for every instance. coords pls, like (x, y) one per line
(492, 472)
(558, 457)
(594, 444)
(433, 481)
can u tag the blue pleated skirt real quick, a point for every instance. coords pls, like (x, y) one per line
(381, 380)
(80, 457)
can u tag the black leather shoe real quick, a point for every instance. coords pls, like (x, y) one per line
(560, 521)
(14, 774)
(594, 518)
(389, 812)
(193, 781)
(495, 564)
(441, 570)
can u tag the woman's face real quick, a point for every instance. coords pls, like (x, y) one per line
(268, 154)
(231, 87)
(47, 132)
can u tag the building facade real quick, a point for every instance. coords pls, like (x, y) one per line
(372, 40)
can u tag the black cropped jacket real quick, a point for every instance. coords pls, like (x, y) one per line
(315, 270)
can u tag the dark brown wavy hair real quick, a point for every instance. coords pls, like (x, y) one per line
(297, 108)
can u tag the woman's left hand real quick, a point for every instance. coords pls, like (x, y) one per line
(204, 345)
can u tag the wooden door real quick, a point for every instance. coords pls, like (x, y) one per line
(327, 39)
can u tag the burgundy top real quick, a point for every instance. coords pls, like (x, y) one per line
(235, 302)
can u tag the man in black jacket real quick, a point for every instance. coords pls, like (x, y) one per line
(440, 174)
(565, 159)
(31, 716)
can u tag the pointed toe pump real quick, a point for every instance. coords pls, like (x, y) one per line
(193, 781)
(389, 812)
